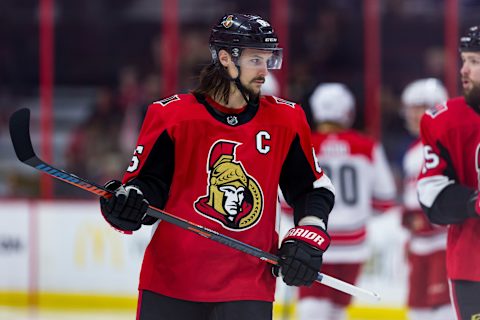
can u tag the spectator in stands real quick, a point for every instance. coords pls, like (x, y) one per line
(94, 150)
(128, 91)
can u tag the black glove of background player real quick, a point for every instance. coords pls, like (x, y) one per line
(125, 210)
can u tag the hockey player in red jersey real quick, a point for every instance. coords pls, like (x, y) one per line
(449, 181)
(363, 180)
(216, 157)
(428, 295)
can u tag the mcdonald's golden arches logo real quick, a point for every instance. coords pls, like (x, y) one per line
(95, 244)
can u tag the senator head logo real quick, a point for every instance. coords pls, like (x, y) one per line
(234, 199)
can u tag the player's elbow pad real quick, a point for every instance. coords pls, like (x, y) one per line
(434, 215)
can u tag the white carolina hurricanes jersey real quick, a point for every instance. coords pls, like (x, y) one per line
(412, 164)
(358, 168)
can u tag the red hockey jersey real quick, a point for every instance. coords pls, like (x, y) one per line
(451, 138)
(222, 172)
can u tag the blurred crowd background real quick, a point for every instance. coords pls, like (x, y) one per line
(108, 68)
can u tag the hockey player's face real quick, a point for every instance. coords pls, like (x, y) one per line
(470, 73)
(253, 64)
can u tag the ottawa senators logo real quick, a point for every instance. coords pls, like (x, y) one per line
(228, 21)
(233, 198)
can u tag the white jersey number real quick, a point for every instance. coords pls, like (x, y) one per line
(135, 161)
(431, 158)
(345, 179)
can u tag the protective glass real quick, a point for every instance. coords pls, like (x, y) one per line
(254, 58)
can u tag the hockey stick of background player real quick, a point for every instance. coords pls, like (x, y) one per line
(20, 135)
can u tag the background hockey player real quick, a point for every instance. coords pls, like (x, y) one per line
(449, 181)
(428, 296)
(215, 157)
(359, 170)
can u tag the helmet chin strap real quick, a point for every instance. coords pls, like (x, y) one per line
(241, 88)
(244, 91)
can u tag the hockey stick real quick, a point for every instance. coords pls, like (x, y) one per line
(20, 135)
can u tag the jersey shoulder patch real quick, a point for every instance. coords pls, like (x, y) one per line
(436, 110)
(283, 101)
(168, 100)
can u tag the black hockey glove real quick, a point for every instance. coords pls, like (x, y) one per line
(301, 254)
(125, 210)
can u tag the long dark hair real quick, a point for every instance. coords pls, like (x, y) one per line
(214, 81)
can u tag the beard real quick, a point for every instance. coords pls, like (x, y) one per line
(250, 92)
(472, 97)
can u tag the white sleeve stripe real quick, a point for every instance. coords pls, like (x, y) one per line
(324, 182)
(428, 188)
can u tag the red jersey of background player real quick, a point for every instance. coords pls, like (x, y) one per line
(451, 160)
(226, 169)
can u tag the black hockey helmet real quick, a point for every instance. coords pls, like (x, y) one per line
(235, 32)
(471, 40)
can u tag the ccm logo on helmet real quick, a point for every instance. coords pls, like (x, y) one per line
(271, 40)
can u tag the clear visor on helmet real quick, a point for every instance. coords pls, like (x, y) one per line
(258, 58)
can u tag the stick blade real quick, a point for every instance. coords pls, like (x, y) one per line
(19, 126)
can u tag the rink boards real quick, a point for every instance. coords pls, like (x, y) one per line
(62, 255)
